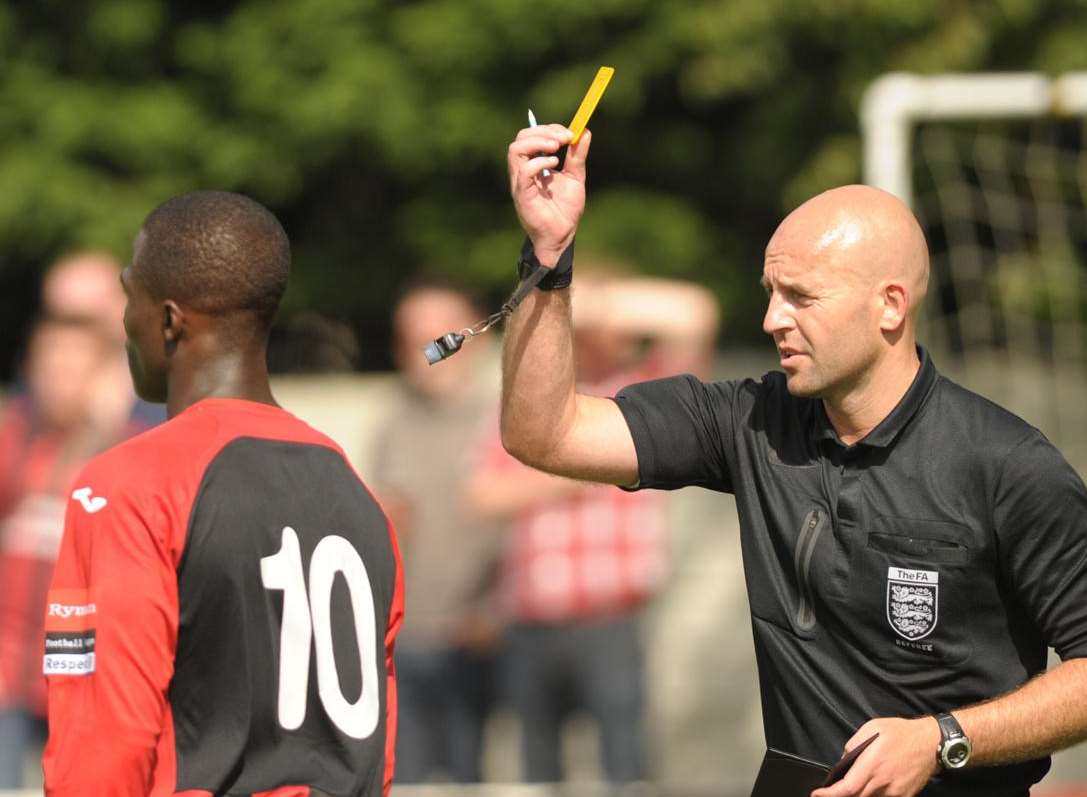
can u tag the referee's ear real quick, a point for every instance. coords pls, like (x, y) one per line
(896, 306)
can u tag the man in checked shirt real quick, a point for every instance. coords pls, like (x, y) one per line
(582, 560)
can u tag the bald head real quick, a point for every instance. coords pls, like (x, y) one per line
(845, 272)
(867, 235)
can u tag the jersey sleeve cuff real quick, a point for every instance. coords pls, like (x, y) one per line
(639, 431)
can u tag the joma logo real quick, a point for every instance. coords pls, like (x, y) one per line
(89, 503)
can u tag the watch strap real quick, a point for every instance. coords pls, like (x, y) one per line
(955, 748)
(949, 727)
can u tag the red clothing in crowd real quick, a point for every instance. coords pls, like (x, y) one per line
(597, 553)
(36, 471)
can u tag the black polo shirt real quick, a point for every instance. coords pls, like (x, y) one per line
(925, 568)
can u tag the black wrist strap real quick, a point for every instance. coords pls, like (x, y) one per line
(533, 275)
(556, 277)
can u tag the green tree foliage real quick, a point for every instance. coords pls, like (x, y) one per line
(377, 130)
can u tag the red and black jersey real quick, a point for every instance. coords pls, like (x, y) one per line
(222, 616)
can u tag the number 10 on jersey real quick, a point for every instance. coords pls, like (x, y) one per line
(307, 622)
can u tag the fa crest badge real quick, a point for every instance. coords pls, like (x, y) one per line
(912, 601)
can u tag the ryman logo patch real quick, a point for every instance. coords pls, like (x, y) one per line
(912, 601)
(70, 619)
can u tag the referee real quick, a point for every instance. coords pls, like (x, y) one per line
(911, 549)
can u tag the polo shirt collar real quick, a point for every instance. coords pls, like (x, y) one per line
(885, 433)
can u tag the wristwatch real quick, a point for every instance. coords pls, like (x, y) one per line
(954, 749)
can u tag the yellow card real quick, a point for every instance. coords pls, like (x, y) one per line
(588, 105)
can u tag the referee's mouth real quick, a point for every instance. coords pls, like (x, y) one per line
(789, 357)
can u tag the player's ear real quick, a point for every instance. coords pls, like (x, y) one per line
(173, 323)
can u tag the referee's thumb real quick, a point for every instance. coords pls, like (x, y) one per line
(576, 155)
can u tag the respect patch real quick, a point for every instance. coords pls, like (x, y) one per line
(70, 624)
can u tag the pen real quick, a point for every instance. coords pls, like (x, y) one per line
(532, 123)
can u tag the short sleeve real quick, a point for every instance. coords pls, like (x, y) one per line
(1040, 511)
(683, 431)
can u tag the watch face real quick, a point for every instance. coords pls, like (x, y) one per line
(956, 753)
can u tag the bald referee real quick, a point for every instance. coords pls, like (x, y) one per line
(222, 615)
(910, 548)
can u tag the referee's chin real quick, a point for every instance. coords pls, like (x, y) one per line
(802, 386)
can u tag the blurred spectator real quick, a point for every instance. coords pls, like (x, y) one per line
(444, 651)
(87, 285)
(46, 434)
(74, 399)
(582, 559)
(309, 343)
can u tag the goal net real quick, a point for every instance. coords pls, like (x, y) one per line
(995, 167)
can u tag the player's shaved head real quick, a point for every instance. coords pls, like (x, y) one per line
(865, 234)
(216, 252)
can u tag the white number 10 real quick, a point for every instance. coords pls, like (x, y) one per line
(283, 571)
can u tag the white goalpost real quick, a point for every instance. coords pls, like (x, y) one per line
(895, 103)
(995, 166)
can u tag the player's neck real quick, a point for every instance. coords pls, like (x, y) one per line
(866, 404)
(235, 375)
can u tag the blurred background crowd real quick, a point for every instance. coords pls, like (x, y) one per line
(555, 632)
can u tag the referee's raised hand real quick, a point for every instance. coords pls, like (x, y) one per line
(550, 207)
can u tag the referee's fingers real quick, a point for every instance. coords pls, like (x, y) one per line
(532, 141)
(523, 150)
(530, 146)
(558, 131)
(852, 785)
(533, 167)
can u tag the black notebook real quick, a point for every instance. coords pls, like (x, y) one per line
(787, 775)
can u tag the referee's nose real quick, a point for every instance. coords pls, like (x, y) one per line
(777, 318)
